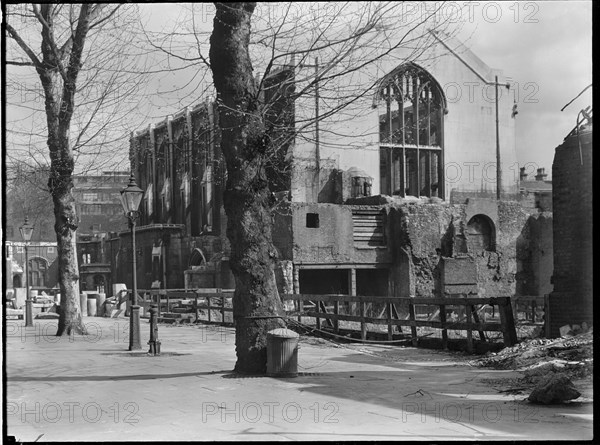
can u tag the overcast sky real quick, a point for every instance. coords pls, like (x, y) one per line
(544, 47)
(547, 48)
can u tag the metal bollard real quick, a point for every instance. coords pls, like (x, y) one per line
(154, 342)
(29, 312)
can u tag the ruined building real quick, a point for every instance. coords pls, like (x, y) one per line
(571, 300)
(412, 191)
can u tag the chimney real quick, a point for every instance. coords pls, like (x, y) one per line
(541, 174)
(522, 174)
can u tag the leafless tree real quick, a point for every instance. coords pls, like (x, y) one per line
(332, 54)
(79, 56)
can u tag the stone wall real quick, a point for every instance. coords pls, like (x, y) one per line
(423, 234)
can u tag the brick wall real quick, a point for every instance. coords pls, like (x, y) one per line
(571, 301)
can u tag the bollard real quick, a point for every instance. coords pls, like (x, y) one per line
(29, 312)
(83, 303)
(154, 342)
(100, 299)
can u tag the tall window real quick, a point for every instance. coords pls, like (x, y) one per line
(38, 270)
(411, 133)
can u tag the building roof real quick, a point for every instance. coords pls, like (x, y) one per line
(535, 186)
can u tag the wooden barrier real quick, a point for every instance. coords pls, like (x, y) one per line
(473, 323)
(530, 303)
(326, 309)
(201, 298)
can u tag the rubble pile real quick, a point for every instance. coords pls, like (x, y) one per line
(548, 366)
(573, 353)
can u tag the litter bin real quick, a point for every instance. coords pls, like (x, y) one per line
(91, 305)
(282, 353)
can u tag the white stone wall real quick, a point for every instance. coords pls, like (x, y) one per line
(350, 137)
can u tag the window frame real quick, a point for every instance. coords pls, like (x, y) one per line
(412, 84)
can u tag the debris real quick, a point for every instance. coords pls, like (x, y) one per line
(554, 388)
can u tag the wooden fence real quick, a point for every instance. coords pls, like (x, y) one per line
(210, 299)
(326, 309)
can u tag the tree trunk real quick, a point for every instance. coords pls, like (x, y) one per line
(257, 307)
(60, 183)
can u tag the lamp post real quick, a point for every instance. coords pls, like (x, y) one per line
(131, 196)
(26, 232)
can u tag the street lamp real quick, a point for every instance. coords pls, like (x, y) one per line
(131, 196)
(26, 232)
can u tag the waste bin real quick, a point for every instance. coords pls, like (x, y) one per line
(282, 353)
(91, 305)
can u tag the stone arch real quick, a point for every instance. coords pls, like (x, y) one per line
(197, 258)
(481, 234)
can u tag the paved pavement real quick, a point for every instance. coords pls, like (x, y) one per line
(90, 388)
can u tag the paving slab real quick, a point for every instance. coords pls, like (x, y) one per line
(91, 388)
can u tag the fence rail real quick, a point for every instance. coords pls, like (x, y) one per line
(326, 309)
(209, 299)
(320, 311)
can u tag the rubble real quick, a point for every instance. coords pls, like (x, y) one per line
(548, 366)
(578, 348)
(554, 388)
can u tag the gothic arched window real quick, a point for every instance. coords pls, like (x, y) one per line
(411, 133)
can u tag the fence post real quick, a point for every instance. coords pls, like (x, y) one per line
(317, 318)
(363, 326)
(208, 305)
(413, 326)
(196, 310)
(469, 314)
(300, 308)
(388, 310)
(223, 309)
(336, 311)
(168, 305)
(508, 322)
(443, 323)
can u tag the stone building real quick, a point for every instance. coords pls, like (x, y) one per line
(399, 197)
(100, 213)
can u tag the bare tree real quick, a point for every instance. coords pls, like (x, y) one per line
(316, 63)
(86, 86)
(345, 39)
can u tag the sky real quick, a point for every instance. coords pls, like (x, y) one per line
(544, 48)
(547, 48)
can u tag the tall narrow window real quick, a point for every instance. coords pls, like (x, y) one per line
(411, 133)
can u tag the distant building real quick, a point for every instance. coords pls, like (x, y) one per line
(97, 202)
(100, 214)
(538, 192)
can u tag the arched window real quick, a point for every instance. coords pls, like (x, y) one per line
(38, 272)
(197, 258)
(481, 234)
(411, 133)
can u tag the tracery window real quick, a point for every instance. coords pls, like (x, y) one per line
(411, 133)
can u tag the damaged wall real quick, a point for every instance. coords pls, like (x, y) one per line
(423, 233)
(572, 176)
